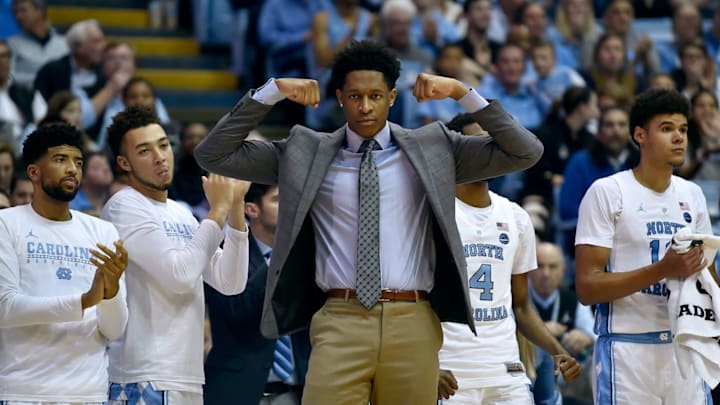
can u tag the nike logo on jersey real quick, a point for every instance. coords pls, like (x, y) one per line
(30, 235)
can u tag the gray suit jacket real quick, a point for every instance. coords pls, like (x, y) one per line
(299, 163)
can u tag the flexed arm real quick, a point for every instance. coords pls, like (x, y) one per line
(509, 146)
(225, 150)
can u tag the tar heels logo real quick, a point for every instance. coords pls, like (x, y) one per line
(63, 273)
(504, 238)
(664, 337)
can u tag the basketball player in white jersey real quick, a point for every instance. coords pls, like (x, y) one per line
(61, 295)
(499, 243)
(625, 226)
(159, 360)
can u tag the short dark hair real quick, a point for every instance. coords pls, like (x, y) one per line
(135, 80)
(460, 121)
(703, 92)
(125, 121)
(696, 43)
(92, 154)
(47, 136)
(365, 55)
(468, 3)
(506, 45)
(19, 176)
(256, 192)
(40, 4)
(654, 102)
(542, 43)
(574, 97)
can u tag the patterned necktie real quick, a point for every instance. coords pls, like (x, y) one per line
(367, 282)
(282, 365)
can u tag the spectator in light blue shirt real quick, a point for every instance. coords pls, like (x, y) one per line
(507, 87)
(430, 30)
(687, 25)
(550, 79)
(284, 31)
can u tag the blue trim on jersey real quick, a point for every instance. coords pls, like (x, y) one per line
(606, 378)
(601, 318)
(662, 337)
(708, 394)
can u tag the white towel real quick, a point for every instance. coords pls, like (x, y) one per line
(694, 311)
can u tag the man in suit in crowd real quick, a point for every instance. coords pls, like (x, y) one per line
(243, 366)
(370, 251)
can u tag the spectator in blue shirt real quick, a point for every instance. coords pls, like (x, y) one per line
(687, 25)
(284, 31)
(551, 79)
(576, 31)
(95, 186)
(507, 87)
(534, 17)
(430, 30)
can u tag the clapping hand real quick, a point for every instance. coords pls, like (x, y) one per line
(111, 265)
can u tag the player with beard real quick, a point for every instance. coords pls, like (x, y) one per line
(159, 360)
(61, 296)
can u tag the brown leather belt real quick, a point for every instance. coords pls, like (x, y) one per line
(385, 295)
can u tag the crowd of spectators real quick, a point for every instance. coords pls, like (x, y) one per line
(566, 69)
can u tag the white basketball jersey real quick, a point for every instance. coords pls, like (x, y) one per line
(637, 224)
(499, 241)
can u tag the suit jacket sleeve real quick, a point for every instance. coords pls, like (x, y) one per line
(240, 312)
(226, 152)
(509, 147)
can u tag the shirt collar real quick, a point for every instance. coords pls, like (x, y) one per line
(264, 249)
(354, 141)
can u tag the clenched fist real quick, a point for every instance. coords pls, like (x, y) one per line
(432, 87)
(301, 91)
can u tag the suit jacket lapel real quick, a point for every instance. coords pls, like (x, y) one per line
(408, 142)
(326, 152)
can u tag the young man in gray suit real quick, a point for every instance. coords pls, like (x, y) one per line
(366, 242)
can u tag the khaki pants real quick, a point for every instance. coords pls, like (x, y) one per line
(386, 356)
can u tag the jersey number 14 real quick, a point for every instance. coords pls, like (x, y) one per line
(482, 280)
